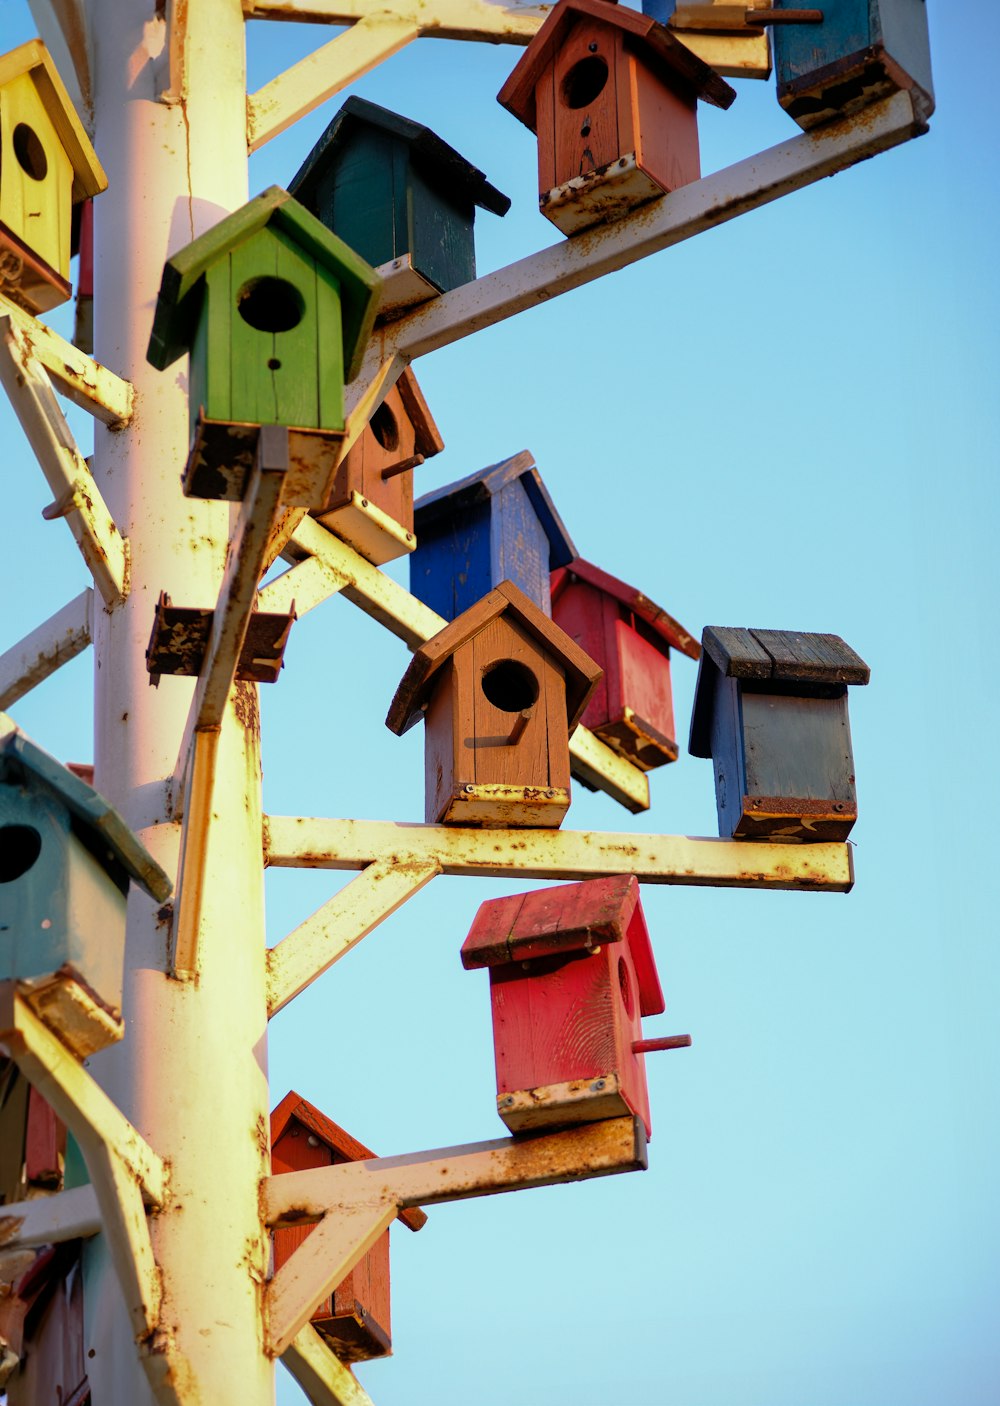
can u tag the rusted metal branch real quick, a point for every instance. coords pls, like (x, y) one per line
(54, 643)
(321, 1375)
(81, 379)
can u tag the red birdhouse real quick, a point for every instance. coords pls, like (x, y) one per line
(370, 504)
(500, 689)
(355, 1319)
(632, 708)
(612, 97)
(571, 975)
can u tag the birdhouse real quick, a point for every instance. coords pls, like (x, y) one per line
(571, 976)
(400, 196)
(612, 96)
(861, 51)
(632, 708)
(770, 709)
(276, 313)
(47, 165)
(496, 525)
(355, 1318)
(42, 1322)
(500, 690)
(371, 503)
(66, 859)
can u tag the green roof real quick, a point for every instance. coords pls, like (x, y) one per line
(179, 301)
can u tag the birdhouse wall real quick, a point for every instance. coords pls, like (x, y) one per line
(362, 198)
(36, 183)
(389, 438)
(666, 128)
(441, 232)
(268, 348)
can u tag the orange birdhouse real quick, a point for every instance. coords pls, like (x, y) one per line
(370, 505)
(355, 1319)
(500, 689)
(612, 97)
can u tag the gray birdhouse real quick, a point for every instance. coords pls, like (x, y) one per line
(66, 859)
(770, 709)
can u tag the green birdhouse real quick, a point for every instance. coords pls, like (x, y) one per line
(276, 313)
(66, 860)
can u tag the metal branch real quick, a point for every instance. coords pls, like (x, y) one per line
(54, 643)
(497, 23)
(298, 842)
(81, 379)
(63, 26)
(320, 1373)
(48, 1220)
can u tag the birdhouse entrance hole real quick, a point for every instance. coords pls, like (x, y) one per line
(384, 428)
(510, 686)
(584, 82)
(625, 986)
(20, 846)
(29, 152)
(270, 305)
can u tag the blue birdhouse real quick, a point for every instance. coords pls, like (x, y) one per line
(496, 525)
(861, 51)
(66, 860)
(770, 709)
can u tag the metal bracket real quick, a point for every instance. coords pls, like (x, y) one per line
(54, 643)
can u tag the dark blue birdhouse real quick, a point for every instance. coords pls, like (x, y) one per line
(770, 709)
(496, 525)
(401, 197)
(861, 51)
(66, 859)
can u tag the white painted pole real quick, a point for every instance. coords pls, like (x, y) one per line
(191, 1071)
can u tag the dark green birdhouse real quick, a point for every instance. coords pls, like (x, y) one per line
(400, 196)
(66, 859)
(276, 313)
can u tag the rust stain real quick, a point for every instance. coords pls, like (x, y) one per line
(246, 705)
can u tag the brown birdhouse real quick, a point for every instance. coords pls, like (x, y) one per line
(632, 708)
(571, 976)
(612, 97)
(501, 689)
(355, 1318)
(370, 505)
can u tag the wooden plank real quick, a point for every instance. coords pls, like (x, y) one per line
(54, 643)
(735, 652)
(807, 657)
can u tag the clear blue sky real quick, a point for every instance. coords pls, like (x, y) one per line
(789, 422)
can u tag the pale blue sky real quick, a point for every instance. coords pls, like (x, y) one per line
(789, 422)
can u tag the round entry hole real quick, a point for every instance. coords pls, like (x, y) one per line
(510, 686)
(270, 304)
(584, 82)
(29, 152)
(20, 846)
(384, 428)
(625, 986)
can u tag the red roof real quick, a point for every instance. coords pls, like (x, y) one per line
(654, 615)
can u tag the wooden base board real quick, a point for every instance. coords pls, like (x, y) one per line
(598, 197)
(371, 532)
(222, 457)
(496, 807)
(637, 741)
(354, 1337)
(28, 279)
(558, 1105)
(73, 1012)
(403, 287)
(789, 818)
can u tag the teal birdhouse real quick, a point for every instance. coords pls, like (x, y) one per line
(66, 860)
(275, 312)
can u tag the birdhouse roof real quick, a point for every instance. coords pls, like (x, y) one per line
(179, 301)
(435, 157)
(554, 922)
(669, 630)
(487, 483)
(814, 663)
(428, 439)
(104, 831)
(643, 35)
(582, 674)
(33, 59)
(293, 1108)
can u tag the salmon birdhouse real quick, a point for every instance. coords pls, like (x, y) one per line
(276, 313)
(770, 709)
(859, 52)
(355, 1319)
(496, 525)
(632, 708)
(500, 690)
(66, 860)
(47, 166)
(571, 976)
(400, 196)
(371, 503)
(612, 96)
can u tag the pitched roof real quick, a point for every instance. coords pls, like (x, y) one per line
(487, 483)
(653, 41)
(582, 674)
(427, 148)
(179, 300)
(22, 762)
(34, 59)
(814, 662)
(568, 918)
(428, 437)
(654, 615)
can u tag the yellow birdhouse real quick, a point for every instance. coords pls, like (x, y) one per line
(47, 166)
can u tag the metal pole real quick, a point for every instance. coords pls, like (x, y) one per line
(191, 1071)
